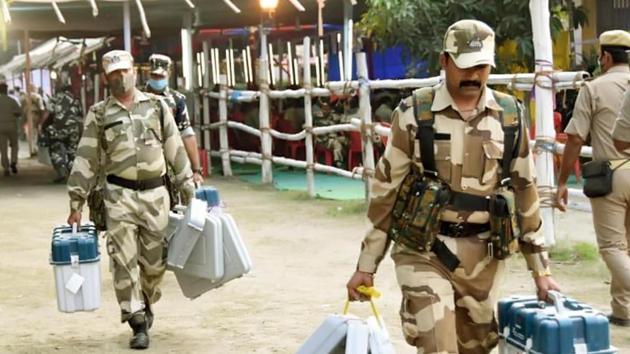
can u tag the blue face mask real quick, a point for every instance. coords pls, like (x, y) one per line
(158, 85)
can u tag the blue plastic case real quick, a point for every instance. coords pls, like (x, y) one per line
(83, 244)
(209, 194)
(568, 327)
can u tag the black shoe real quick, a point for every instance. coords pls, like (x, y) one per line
(14, 168)
(60, 179)
(7, 173)
(622, 322)
(138, 324)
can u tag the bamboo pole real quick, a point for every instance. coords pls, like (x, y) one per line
(365, 111)
(265, 140)
(308, 119)
(206, 143)
(545, 132)
(223, 133)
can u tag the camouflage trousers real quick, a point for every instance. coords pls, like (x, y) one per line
(449, 312)
(336, 143)
(136, 222)
(62, 153)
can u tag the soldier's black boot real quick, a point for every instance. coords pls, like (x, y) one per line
(14, 168)
(138, 324)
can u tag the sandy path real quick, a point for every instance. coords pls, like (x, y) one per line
(302, 258)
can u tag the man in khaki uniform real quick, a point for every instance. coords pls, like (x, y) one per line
(450, 308)
(596, 108)
(9, 116)
(129, 138)
(37, 110)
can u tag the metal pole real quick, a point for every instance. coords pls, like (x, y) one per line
(223, 133)
(127, 26)
(265, 139)
(347, 38)
(206, 105)
(27, 94)
(187, 56)
(308, 119)
(545, 131)
(97, 87)
(365, 110)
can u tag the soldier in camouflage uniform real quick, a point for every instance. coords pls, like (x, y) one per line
(158, 84)
(324, 115)
(451, 309)
(130, 137)
(62, 122)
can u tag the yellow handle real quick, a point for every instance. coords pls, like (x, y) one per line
(370, 292)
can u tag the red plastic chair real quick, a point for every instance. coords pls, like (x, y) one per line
(203, 161)
(355, 149)
(293, 149)
(327, 154)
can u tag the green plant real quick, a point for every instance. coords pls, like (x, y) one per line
(420, 25)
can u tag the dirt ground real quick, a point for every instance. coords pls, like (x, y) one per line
(303, 253)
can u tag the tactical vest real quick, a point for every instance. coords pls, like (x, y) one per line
(425, 118)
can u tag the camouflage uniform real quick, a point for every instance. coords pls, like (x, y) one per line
(335, 141)
(176, 101)
(444, 311)
(132, 145)
(63, 130)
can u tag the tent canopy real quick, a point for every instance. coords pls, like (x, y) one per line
(163, 16)
(55, 52)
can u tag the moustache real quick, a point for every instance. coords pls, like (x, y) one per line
(466, 83)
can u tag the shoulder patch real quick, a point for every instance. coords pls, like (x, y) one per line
(510, 108)
(422, 102)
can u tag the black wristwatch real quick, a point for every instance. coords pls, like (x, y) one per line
(197, 171)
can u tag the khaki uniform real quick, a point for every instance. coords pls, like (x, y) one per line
(445, 311)
(133, 146)
(37, 109)
(9, 115)
(594, 115)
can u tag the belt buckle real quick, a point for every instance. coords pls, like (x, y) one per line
(457, 230)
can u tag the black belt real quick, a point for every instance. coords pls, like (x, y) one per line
(469, 202)
(143, 185)
(462, 229)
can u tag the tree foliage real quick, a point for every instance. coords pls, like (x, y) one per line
(419, 25)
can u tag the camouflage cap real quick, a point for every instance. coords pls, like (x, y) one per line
(117, 60)
(618, 38)
(470, 43)
(160, 64)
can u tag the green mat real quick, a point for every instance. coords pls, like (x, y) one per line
(326, 186)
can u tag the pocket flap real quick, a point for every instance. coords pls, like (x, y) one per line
(596, 168)
(492, 149)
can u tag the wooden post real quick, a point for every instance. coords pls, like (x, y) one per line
(308, 119)
(27, 93)
(265, 139)
(545, 131)
(365, 110)
(206, 105)
(223, 133)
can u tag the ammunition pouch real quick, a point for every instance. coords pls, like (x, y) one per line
(96, 204)
(416, 214)
(504, 231)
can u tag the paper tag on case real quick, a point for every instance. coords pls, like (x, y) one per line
(74, 284)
